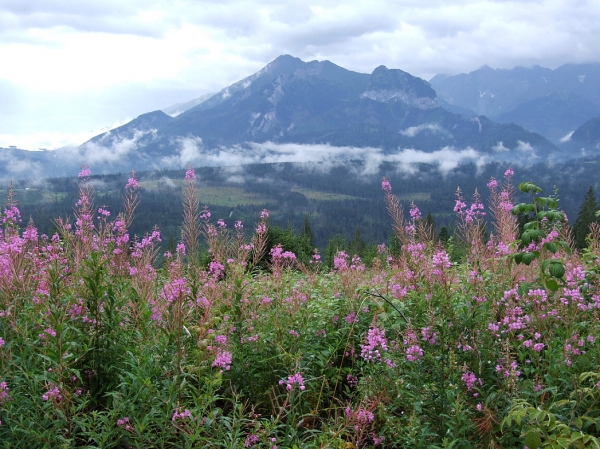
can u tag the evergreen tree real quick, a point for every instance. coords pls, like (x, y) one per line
(357, 245)
(444, 235)
(587, 215)
(336, 243)
(429, 223)
(307, 232)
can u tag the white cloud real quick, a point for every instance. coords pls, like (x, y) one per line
(323, 156)
(524, 146)
(412, 131)
(499, 147)
(567, 137)
(60, 48)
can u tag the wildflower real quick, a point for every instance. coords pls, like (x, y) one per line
(124, 423)
(132, 184)
(385, 185)
(470, 380)
(251, 440)
(223, 360)
(340, 261)
(190, 175)
(415, 213)
(4, 392)
(85, 172)
(378, 440)
(295, 379)
(376, 344)
(351, 318)
(52, 393)
(181, 415)
(492, 184)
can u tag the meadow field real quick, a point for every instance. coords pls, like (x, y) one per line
(488, 340)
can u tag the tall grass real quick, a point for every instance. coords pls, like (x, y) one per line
(439, 346)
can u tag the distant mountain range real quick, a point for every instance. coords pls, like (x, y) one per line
(291, 106)
(553, 103)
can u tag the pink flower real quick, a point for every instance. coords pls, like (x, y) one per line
(85, 172)
(132, 184)
(386, 186)
(223, 360)
(293, 380)
(492, 184)
(190, 175)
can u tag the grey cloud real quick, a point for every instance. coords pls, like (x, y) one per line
(109, 16)
(96, 153)
(412, 131)
(323, 156)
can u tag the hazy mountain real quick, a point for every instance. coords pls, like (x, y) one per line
(298, 111)
(553, 115)
(291, 101)
(550, 102)
(586, 139)
(179, 108)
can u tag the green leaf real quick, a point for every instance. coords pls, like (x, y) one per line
(552, 285)
(529, 187)
(557, 270)
(519, 258)
(528, 258)
(533, 440)
(551, 246)
(524, 288)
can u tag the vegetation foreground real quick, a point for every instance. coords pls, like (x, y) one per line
(481, 342)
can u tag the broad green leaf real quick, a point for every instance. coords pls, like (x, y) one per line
(528, 258)
(552, 285)
(533, 440)
(557, 270)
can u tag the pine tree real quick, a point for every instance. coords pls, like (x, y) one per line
(357, 245)
(307, 232)
(587, 215)
(444, 235)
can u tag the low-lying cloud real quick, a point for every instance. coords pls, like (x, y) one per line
(324, 156)
(412, 131)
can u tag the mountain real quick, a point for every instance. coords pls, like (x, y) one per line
(585, 139)
(554, 115)
(550, 102)
(305, 108)
(318, 102)
(179, 108)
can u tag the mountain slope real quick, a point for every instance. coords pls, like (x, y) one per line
(585, 139)
(290, 101)
(553, 115)
(550, 102)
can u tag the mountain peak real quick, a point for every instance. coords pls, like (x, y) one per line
(388, 85)
(284, 63)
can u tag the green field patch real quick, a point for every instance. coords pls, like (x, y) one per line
(417, 196)
(323, 196)
(28, 196)
(227, 196)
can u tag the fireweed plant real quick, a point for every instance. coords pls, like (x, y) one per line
(487, 342)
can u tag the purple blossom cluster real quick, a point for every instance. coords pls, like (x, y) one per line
(295, 380)
(184, 415)
(376, 344)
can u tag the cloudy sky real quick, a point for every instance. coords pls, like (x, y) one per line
(70, 69)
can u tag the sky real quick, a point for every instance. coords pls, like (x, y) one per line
(71, 69)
